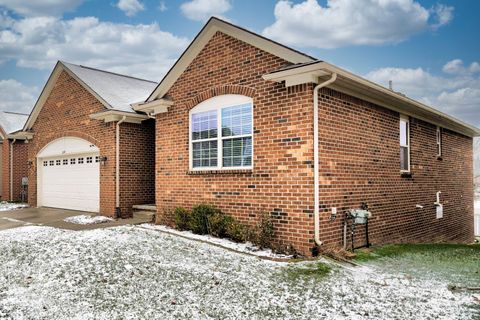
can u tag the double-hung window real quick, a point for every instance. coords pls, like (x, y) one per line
(221, 133)
(439, 142)
(404, 144)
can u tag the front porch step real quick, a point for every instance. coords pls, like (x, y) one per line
(145, 207)
(144, 215)
(144, 211)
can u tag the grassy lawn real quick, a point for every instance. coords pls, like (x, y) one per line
(135, 273)
(457, 263)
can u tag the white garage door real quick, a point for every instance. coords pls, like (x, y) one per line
(70, 180)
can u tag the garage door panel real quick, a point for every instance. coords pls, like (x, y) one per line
(69, 184)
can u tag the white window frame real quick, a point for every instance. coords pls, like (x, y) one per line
(406, 119)
(218, 103)
(439, 132)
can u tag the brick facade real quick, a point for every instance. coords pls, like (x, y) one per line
(20, 170)
(137, 165)
(282, 180)
(66, 113)
(359, 162)
(359, 158)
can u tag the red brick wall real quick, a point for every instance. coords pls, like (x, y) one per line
(66, 113)
(359, 162)
(137, 165)
(20, 169)
(6, 170)
(359, 155)
(282, 179)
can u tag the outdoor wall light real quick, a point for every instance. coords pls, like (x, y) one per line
(103, 160)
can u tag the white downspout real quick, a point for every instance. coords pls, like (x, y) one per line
(11, 169)
(316, 175)
(117, 166)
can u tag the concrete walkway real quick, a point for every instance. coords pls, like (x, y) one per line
(54, 218)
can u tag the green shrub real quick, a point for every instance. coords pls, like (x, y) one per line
(237, 232)
(199, 219)
(216, 224)
(264, 232)
(182, 217)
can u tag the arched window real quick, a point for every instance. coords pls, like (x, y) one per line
(221, 133)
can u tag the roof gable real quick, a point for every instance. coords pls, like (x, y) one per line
(213, 26)
(12, 122)
(114, 91)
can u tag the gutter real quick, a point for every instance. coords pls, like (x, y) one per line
(316, 174)
(117, 167)
(11, 169)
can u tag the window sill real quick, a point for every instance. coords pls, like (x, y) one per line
(219, 171)
(405, 174)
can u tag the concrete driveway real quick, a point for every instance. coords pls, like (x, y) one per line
(54, 218)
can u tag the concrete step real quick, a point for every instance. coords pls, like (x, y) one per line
(138, 214)
(145, 207)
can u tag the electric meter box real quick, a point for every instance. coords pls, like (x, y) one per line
(25, 181)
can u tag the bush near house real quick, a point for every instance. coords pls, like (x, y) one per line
(206, 219)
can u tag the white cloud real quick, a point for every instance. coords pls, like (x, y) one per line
(142, 50)
(442, 15)
(457, 94)
(201, 10)
(162, 7)
(456, 67)
(130, 7)
(40, 7)
(352, 22)
(17, 97)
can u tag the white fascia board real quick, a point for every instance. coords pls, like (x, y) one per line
(367, 90)
(154, 107)
(114, 116)
(213, 26)
(20, 135)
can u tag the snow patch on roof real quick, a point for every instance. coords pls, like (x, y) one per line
(118, 91)
(12, 122)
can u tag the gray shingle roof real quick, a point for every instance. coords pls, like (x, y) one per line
(118, 91)
(12, 122)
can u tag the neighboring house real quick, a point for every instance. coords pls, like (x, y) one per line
(252, 127)
(13, 157)
(90, 151)
(236, 127)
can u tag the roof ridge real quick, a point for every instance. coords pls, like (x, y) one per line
(110, 72)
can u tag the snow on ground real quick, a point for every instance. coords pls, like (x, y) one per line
(85, 219)
(247, 247)
(7, 206)
(135, 273)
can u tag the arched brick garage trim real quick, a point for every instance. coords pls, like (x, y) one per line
(218, 91)
(75, 134)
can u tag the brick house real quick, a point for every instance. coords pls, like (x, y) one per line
(13, 156)
(251, 126)
(89, 150)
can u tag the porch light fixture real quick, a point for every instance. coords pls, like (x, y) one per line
(103, 160)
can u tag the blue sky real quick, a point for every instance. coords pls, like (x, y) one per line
(430, 49)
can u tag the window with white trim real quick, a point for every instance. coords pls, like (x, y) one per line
(439, 142)
(221, 133)
(404, 144)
